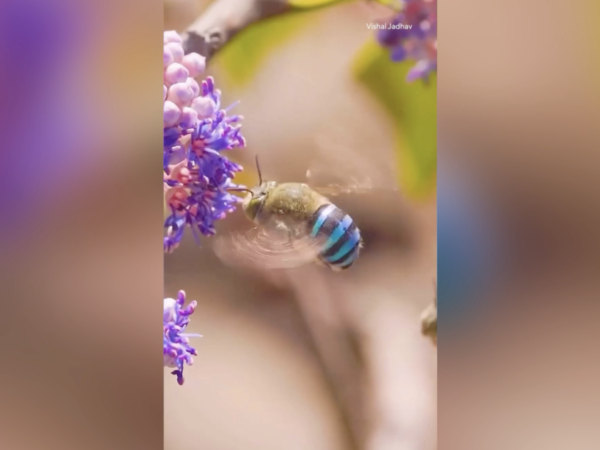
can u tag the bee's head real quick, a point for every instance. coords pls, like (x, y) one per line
(255, 199)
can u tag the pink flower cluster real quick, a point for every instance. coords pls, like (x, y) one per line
(182, 104)
(197, 177)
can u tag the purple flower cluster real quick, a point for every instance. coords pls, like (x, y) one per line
(176, 347)
(417, 43)
(196, 176)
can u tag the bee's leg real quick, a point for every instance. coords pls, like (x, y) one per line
(320, 262)
(336, 268)
(290, 237)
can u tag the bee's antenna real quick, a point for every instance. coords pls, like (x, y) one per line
(239, 189)
(258, 170)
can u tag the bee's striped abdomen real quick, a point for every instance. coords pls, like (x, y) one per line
(340, 234)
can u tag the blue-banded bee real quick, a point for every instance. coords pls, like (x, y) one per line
(296, 225)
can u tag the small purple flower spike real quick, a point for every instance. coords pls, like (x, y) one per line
(417, 43)
(196, 176)
(176, 348)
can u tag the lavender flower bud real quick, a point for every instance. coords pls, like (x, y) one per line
(176, 348)
(204, 106)
(167, 58)
(171, 36)
(412, 34)
(194, 86)
(171, 114)
(176, 50)
(189, 117)
(176, 73)
(195, 63)
(181, 94)
(197, 176)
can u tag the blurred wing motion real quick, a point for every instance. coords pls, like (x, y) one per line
(276, 246)
(341, 166)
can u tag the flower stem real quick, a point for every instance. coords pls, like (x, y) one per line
(224, 19)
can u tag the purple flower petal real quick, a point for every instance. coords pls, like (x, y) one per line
(196, 174)
(416, 39)
(176, 348)
(399, 54)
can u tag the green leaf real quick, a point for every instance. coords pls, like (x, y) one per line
(396, 5)
(413, 110)
(241, 58)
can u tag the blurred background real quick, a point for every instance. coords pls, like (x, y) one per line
(310, 359)
(518, 108)
(80, 255)
(82, 264)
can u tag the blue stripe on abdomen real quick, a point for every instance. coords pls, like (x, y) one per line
(338, 232)
(348, 247)
(347, 262)
(321, 219)
(339, 235)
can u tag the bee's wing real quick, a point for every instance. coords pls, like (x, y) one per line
(342, 165)
(275, 245)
